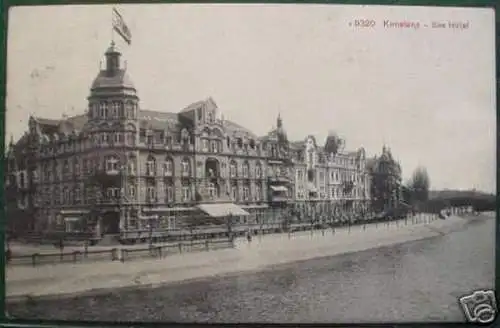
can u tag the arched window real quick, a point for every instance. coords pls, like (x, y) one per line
(185, 167)
(151, 166)
(168, 167)
(112, 165)
(233, 169)
(246, 170)
(228, 141)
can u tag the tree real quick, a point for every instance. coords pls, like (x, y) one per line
(419, 185)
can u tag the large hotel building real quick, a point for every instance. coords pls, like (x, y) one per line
(121, 169)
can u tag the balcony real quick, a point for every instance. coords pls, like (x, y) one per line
(279, 178)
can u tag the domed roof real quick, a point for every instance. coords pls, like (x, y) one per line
(119, 79)
(113, 76)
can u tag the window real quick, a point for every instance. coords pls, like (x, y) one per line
(151, 166)
(300, 175)
(77, 166)
(131, 166)
(171, 222)
(186, 194)
(199, 114)
(234, 193)
(65, 167)
(116, 109)
(104, 137)
(213, 146)
(112, 166)
(212, 190)
(103, 109)
(204, 145)
(66, 196)
(131, 191)
(22, 180)
(233, 170)
(210, 117)
(131, 139)
(113, 192)
(185, 167)
(168, 168)
(246, 193)
(258, 171)
(258, 192)
(78, 195)
(246, 169)
(151, 193)
(85, 165)
(169, 193)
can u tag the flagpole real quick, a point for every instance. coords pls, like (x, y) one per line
(112, 27)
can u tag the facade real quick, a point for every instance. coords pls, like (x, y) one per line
(122, 169)
(329, 182)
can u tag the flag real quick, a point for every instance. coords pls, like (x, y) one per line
(120, 27)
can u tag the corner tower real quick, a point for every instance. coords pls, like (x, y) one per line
(112, 97)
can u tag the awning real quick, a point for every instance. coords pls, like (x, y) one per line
(168, 209)
(71, 219)
(254, 206)
(74, 212)
(279, 188)
(222, 210)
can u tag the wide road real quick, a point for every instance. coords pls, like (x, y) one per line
(416, 281)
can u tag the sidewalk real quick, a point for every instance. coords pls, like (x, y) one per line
(261, 253)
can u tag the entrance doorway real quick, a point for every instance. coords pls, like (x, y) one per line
(111, 223)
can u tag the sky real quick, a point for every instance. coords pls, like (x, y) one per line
(428, 93)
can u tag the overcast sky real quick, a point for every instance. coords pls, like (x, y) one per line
(427, 93)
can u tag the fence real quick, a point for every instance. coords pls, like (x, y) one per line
(120, 254)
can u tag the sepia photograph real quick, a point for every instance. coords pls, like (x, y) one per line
(260, 163)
